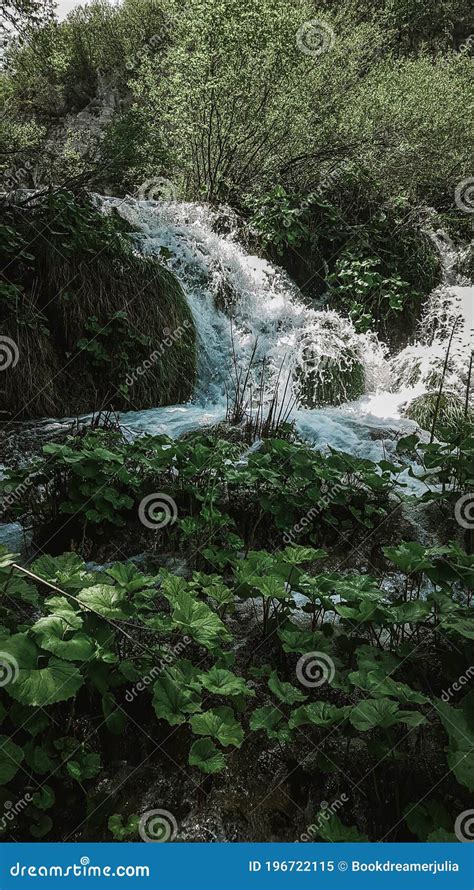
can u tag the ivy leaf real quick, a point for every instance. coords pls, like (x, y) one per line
(58, 681)
(285, 692)
(11, 757)
(220, 724)
(223, 682)
(206, 756)
(172, 703)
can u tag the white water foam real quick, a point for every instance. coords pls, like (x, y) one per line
(201, 247)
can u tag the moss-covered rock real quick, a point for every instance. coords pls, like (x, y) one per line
(94, 325)
(452, 419)
(322, 379)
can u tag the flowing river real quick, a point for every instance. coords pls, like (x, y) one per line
(243, 305)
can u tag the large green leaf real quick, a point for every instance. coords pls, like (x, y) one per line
(198, 620)
(58, 681)
(269, 719)
(423, 818)
(173, 703)
(18, 650)
(320, 713)
(206, 756)
(223, 682)
(11, 757)
(381, 712)
(461, 742)
(54, 634)
(220, 724)
(285, 692)
(299, 640)
(106, 600)
(379, 686)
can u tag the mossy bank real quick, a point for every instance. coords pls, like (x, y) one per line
(86, 323)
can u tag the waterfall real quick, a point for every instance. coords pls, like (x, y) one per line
(242, 304)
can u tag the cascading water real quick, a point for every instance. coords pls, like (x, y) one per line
(240, 303)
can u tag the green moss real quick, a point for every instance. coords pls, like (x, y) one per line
(452, 420)
(332, 381)
(96, 325)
